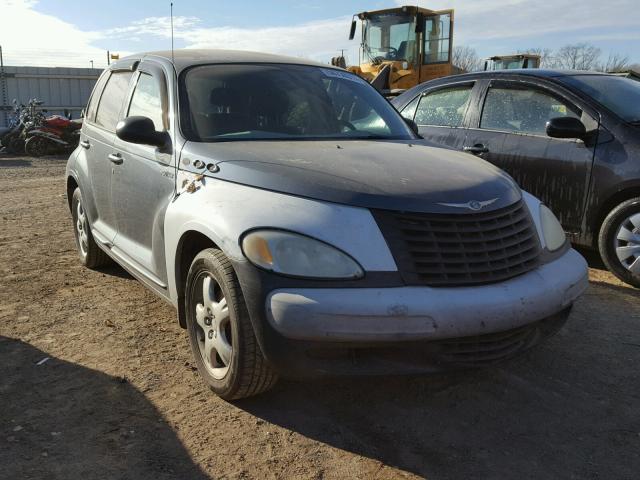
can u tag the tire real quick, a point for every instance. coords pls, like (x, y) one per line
(619, 241)
(91, 255)
(37, 147)
(16, 145)
(221, 335)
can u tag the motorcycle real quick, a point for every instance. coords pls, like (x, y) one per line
(25, 119)
(55, 134)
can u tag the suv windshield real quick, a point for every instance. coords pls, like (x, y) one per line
(618, 94)
(390, 36)
(279, 101)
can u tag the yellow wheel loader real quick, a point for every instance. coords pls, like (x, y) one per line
(402, 47)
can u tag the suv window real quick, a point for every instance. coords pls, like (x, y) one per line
(445, 107)
(111, 100)
(146, 100)
(95, 97)
(523, 110)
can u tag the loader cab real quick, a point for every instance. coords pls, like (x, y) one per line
(402, 47)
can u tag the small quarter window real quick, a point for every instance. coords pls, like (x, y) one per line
(444, 108)
(95, 97)
(409, 111)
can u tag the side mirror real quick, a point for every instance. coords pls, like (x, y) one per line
(82, 113)
(566, 127)
(352, 32)
(413, 126)
(141, 130)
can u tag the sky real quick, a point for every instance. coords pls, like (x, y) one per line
(77, 32)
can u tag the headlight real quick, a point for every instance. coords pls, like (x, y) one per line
(554, 236)
(292, 254)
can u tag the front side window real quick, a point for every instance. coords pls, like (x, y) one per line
(112, 99)
(390, 36)
(278, 101)
(523, 110)
(146, 100)
(437, 38)
(444, 108)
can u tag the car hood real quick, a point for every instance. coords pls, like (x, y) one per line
(392, 175)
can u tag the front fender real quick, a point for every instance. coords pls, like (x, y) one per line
(223, 211)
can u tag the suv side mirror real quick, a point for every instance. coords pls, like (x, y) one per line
(352, 32)
(566, 127)
(141, 130)
(413, 126)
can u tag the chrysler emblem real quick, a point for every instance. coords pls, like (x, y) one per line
(471, 205)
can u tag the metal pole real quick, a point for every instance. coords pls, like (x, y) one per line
(91, 63)
(108, 58)
(3, 89)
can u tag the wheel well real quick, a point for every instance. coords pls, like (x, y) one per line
(191, 243)
(71, 187)
(611, 203)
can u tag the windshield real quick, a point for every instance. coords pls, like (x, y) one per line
(278, 101)
(619, 94)
(390, 36)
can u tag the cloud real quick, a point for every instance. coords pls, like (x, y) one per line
(318, 40)
(29, 37)
(479, 20)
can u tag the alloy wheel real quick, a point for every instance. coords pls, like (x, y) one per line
(214, 327)
(81, 229)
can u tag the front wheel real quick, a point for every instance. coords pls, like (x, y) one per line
(619, 241)
(37, 146)
(220, 332)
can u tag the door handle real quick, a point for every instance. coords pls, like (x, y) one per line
(85, 144)
(116, 158)
(477, 149)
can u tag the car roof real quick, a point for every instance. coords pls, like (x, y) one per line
(184, 58)
(549, 74)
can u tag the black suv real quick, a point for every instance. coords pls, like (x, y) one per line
(570, 138)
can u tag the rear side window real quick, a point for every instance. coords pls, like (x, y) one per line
(444, 108)
(111, 100)
(147, 101)
(95, 97)
(523, 110)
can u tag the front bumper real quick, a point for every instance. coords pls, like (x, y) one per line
(424, 313)
(391, 328)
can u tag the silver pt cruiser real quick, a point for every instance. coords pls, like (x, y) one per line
(300, 227)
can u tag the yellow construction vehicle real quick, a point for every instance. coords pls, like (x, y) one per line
(402, 47)
(509, 62)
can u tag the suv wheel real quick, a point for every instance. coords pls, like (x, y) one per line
(619, 241)
(91, 255)
(220, 331)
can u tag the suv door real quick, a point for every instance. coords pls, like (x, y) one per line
(143, 182)
(511, 134)
(441, 113)
(96, 139)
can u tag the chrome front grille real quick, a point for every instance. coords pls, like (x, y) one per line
(461, 249)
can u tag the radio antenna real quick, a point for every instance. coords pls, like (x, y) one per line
(172, 59)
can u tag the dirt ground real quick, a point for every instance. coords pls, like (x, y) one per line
(118, 397)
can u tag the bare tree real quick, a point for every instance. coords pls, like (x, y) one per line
(615, 63)
(546, 56)
(579, 56)
(466, 58)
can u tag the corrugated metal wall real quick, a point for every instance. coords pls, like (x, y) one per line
(58, 88)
